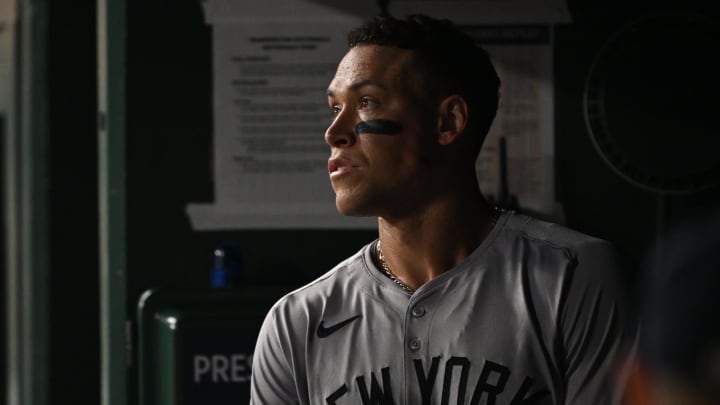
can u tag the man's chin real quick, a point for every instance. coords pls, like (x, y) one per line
(352, 213)
(352, 210)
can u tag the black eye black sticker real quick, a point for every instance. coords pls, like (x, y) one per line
(378, 127)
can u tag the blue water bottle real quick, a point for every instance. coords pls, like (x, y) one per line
(227, 270)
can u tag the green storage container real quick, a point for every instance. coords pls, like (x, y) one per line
(195, 347)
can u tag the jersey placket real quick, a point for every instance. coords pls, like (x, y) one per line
(418, 317)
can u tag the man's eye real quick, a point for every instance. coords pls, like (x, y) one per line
(335, 110)
(367, 102)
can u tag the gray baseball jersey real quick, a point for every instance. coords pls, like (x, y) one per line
(533, 316)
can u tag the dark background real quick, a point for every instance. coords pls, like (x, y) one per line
(169, 135)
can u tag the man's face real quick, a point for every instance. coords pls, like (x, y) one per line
(381, 136)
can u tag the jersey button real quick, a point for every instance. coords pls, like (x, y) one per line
(418, 311)
(415, 344)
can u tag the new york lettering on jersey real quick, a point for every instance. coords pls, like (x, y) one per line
(451, 380)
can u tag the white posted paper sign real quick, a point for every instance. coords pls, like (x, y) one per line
(271, 113)
(523, 58)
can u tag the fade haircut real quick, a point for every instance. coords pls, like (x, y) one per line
(450, 61)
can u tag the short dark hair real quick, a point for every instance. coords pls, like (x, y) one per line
(452, 61)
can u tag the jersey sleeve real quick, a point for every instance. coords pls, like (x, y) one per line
(597, 324)
(272, 379)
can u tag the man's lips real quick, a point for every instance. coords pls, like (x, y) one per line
(339, 165)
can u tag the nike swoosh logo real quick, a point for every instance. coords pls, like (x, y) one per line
(323, 332)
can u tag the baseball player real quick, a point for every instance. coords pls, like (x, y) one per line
(456, 302)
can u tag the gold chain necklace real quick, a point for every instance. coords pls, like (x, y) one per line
(496, 211)
(388, 272)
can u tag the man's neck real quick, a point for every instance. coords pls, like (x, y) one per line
(422, 246)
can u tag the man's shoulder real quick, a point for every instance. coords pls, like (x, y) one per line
(595, 262)
(554, 235)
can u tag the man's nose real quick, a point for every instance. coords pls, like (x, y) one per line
(341, 133)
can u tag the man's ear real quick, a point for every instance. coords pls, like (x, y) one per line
(452, 119)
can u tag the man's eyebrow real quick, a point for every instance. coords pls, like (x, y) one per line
(358, 85)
